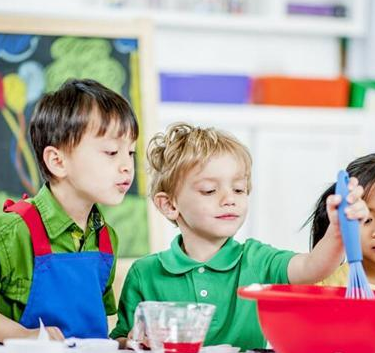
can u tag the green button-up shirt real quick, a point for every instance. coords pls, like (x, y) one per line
(16, 252)
(173, 276)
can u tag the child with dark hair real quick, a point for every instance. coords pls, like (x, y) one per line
(57, 257)
(363, 169)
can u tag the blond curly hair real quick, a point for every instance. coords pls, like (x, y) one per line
(172, 154)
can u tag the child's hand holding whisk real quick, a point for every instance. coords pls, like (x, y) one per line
(328, 253)
(357, 208)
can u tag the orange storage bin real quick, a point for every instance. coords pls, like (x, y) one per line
(278, 90)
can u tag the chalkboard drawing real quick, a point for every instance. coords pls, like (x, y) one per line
(32, 64)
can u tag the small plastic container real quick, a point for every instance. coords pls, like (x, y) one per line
(172, 327)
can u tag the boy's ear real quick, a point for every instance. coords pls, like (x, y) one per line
(166, 206)
(54, 160)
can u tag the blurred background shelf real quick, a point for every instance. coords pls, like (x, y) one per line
(296, 151)
(264, 24)
(268, 21)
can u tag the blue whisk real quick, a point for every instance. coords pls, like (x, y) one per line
(358, 286)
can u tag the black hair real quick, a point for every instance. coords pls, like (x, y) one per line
(363, 169)
(60, 118)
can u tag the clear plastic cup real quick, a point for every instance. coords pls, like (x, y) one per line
(172, 327)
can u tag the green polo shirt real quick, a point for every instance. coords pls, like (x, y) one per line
(16, 252)
(173, 276)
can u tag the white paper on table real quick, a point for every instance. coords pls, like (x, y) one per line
(43, 334)
(221, 348)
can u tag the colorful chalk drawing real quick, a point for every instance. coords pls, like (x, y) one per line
(31, 65)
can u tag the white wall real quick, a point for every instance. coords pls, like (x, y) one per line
(297, 153)
(231, 52)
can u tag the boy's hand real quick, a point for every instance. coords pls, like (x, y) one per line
(54, 333)
(144, 344)
(357, 208)
(12, 329)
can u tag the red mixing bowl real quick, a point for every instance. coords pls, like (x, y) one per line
(313, 319)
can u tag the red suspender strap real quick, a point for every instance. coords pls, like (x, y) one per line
(32, 218)
(105, 241)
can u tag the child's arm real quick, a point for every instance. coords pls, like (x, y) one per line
(12, 329)
(329, 252)
(130, 297)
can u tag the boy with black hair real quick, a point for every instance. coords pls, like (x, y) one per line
(57, 254)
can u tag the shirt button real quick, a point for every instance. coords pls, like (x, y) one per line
(203, 293)
(201, 269)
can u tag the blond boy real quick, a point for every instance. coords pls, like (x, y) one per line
(200, 180)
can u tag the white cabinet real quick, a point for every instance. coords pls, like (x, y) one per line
(290, 170)
(297, 153)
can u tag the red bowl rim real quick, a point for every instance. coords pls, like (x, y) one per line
(295, 292)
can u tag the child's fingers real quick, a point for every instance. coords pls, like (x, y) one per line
(55, 333)
(146, 343)
(353, 182)
(355, 194)
(358, 210)
(130, 334)
(332, 203)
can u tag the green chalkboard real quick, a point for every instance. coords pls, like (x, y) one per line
(37, 56)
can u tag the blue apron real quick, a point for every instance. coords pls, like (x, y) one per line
(67, 288)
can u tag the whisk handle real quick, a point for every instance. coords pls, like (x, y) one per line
(349, 227)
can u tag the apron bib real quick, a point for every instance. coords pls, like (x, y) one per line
(67, 288)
